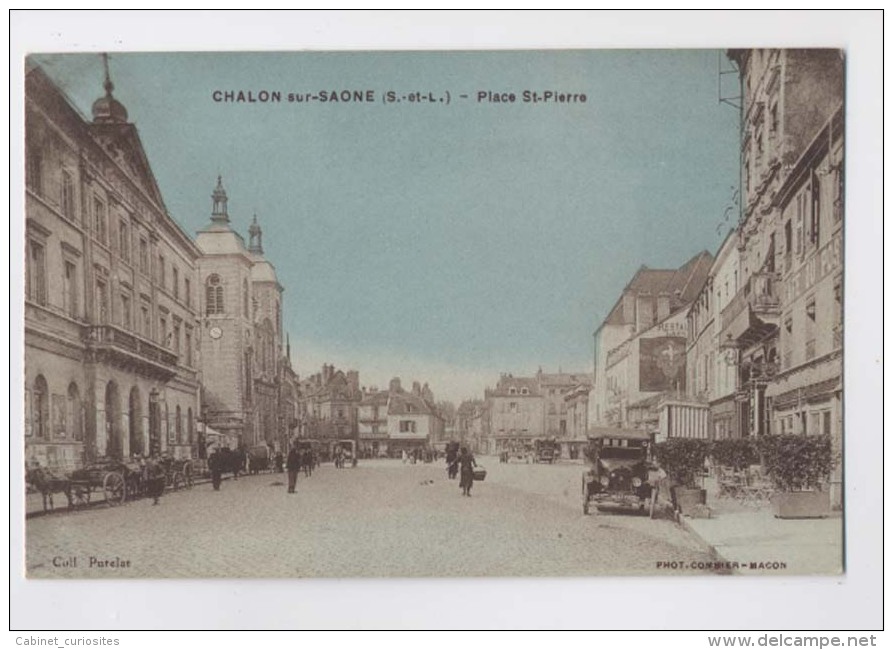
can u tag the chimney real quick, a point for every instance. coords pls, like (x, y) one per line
(629, 308)
(663, 305)
(416, 389)
(394, 386)
(353, 380)
(644, 311)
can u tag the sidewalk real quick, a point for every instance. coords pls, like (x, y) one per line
(751, 536)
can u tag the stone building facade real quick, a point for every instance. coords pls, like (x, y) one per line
(521, 410)
(640, 346)
(786, 322)
(327, 410)
(788, 97)
(396, 420)
(111, 298)
(249, 388)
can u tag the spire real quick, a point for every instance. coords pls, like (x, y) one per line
(108, 85)
(107, 109)
(255, 236)
(218, 211)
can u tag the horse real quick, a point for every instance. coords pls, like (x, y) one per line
(48, 483)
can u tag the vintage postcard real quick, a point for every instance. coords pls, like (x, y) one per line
(434, 314)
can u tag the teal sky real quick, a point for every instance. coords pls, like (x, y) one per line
(441, 243)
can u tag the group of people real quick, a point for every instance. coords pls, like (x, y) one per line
(299, 459)
(223, 461)
(461, 462)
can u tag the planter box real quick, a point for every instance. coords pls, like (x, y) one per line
(801, 505)
(687, 499)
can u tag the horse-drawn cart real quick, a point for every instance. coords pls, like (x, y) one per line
(116, 480)
(178, 473)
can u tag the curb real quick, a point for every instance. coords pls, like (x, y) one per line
(710, 549)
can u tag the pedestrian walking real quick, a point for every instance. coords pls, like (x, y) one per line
(215, 465)
(307, 462)
(452, 462)
(466, 471)
(403, 456)
(279, 460)
(293, 464)
(156, 480)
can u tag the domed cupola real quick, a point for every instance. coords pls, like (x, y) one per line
(108, 110)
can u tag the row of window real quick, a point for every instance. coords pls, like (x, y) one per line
(61, 417)
(810, 423)
(807, 329)
(101, 228)
(36, 291)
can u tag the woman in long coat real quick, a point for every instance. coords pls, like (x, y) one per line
(155, 480)
(466, 471)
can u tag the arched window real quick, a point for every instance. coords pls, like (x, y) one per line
(73, 413)
(40, 408)
(190, 426)
(214, 295)
(179, 425)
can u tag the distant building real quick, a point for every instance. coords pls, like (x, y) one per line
(521, 410)
(328, 406)
(469, 430)
(396, 420)
(640, 345)
(372, 423)
(111, 309)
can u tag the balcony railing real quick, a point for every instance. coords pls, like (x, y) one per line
(115, 339)
(760, 293)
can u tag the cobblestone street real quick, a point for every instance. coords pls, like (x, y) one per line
(381, 518)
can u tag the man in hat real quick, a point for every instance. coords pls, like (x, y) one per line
(214, 465)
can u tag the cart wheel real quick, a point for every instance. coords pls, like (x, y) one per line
(177, 481)
(652, 507)
(80, 496)
(114, 489)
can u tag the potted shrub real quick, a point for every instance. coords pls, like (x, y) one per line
(683, 461)
(799, 466)
(736, 453)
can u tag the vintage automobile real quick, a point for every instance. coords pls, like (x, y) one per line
(619, 477)
(348, 455)
(547, 451)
